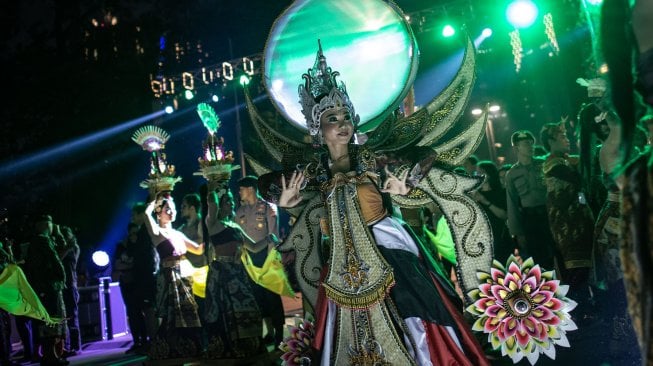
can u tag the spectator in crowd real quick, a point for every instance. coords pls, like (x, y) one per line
(123, 272)
(46, 274)
(492, 198)
(526, 196)
(69, 254)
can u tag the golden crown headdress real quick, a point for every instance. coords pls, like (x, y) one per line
(321, 92)
(161, 177)
(216, 164)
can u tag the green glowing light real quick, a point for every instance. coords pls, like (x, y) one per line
(244, 80)
(448, 31)
(188, 94)
(521, 13)
(368, 42)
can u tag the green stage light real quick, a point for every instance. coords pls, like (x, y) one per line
(487, 32)
(521, 13)
(594, 2)
(377, 60)
(188, 94)
(244, 80)
(448, 31)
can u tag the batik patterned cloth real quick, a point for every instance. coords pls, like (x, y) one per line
(637, 248)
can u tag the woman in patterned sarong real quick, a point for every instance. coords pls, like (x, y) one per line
(178, 333)
(235, 324)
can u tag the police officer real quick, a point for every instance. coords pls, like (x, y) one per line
(526, 196)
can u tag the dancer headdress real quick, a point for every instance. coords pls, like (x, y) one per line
(215, 163)
(596, 87)
(321, 92)
(161, 177)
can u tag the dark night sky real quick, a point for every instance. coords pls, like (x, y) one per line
(57, 98)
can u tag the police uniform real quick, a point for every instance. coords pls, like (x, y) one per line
(527, 215)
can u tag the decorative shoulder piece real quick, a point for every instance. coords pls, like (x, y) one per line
(215, 163)
(161, 177)
(321, 92)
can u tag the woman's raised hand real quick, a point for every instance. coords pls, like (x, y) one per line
(150, 207)
(290, 190)
(394, 185)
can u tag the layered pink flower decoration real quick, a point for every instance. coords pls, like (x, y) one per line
(523, 310)
(297, 347)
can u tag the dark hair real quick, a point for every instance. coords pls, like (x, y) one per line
(491, 174)
(248, 181)
(139, 207)
(585, 128)
(131, 225)
(165, 197)
(549, 131)
(193, 199)
(472, 159)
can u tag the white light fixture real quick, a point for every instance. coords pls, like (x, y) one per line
(477, 111)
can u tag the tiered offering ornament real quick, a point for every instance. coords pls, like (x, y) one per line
(162, 175)
(297, 347)
(215, 164)
(523, 310)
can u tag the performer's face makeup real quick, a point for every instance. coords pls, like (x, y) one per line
(168, 212)
(337, 126)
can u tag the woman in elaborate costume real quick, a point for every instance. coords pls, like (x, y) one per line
(175, 306)
(380, 299)
(233, 315)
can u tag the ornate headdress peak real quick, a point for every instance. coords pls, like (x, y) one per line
(162, 174)
(321, 92)
(215, 163)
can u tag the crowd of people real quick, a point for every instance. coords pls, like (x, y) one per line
(47, 318)
(386, 292)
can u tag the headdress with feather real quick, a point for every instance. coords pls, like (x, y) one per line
(216, 164)
(161, 177)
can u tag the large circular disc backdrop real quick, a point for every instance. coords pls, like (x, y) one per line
(368, 41)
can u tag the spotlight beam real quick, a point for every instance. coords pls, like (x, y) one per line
(56, 152)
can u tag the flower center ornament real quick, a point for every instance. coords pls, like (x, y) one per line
(524, 311)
